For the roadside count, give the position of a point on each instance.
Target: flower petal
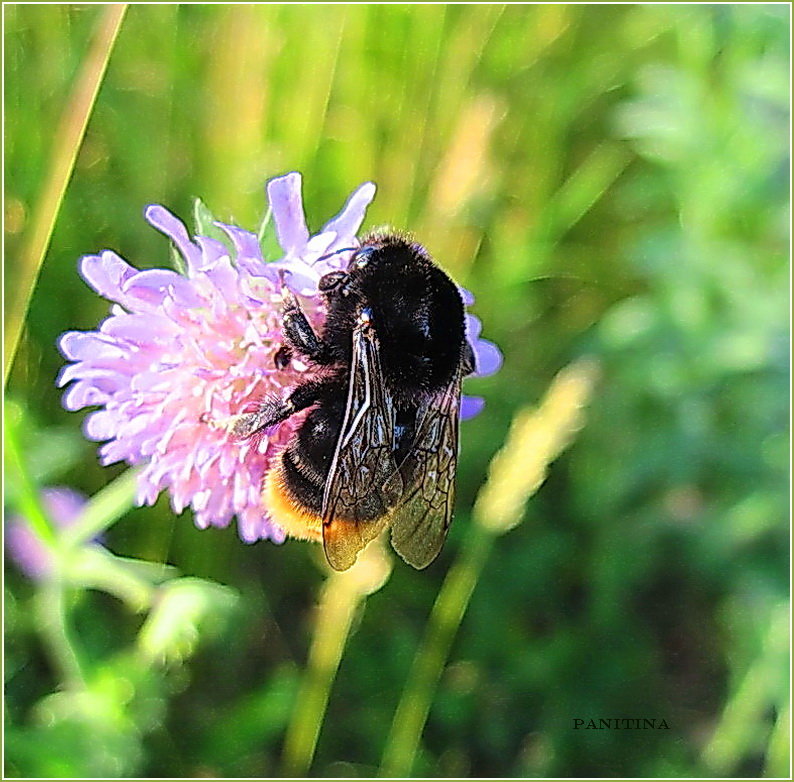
(298, 277)
(106, 378)
(246, 246)
(467, 296)
(348, 221)
(169, 224)
(284, 194)
(224, 277)
(101, 425)
(87, 346)
(138, 329)
(488, 357)
(212, 251)
(151, 286)
(473, 328)
(470, 406)
(106, 273)
(83, 394)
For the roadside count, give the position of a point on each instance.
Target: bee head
(381, 256)
(386, 248)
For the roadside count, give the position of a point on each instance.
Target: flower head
(180, 356)
(26, 549)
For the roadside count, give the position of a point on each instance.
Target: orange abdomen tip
(297, 521)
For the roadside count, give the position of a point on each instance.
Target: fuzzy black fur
(418, 316)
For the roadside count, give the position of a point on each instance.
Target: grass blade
(537, 437)
(30, 505)
(68, 139)
(342, 594)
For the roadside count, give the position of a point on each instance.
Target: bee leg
(283, 357)
(299, 334)
(272, 410)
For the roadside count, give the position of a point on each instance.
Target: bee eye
(332, 280)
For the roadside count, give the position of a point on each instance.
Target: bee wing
(419, 524)
(363, 482)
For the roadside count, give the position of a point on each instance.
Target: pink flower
(179, 357)
(31, 555)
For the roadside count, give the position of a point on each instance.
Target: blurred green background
(609, 180)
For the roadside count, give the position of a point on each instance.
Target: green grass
(609, 181)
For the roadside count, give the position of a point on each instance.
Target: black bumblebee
(380, 445)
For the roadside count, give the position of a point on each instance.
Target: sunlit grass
(342, 595)
(556, 159)
(66, 140)
(536, 438)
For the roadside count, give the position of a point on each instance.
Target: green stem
(340, 598)
(50, 608)
(742, 719)
(50, 601)
(29, 502)
(67, 139)
(448, 611)
(778, 750)
(536, 438)
(102, 510)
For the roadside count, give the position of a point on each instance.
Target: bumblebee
(379, 445)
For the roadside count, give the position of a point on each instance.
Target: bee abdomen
(305, 486)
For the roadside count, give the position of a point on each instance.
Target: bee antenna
(335, 252)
